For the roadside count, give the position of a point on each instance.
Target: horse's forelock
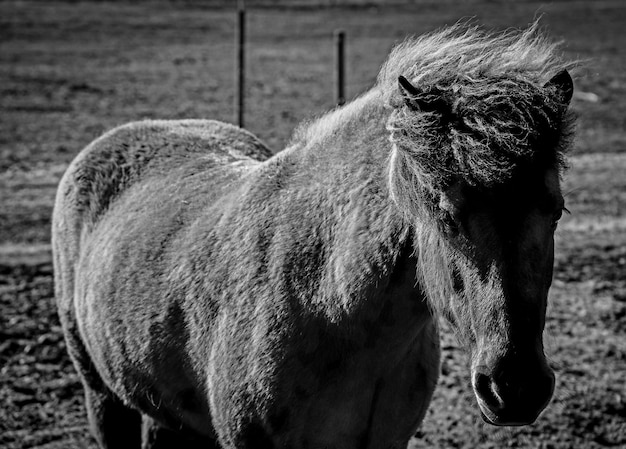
(464, 53)
(501, 114)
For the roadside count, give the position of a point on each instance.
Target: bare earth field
(70, 71)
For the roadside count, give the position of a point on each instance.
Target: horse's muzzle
(514, 398)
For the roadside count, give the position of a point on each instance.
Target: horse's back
(141, 154)
(191, 155)
(135, 151)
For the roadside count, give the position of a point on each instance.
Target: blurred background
(71, 70)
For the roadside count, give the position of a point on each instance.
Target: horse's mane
(500, 115)
(500, 118)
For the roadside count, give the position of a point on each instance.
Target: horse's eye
(557, 216)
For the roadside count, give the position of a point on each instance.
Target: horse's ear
(431, 101)
(407, 89)
(563, 85)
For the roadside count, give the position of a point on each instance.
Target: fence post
(340, 96)
(240, 41)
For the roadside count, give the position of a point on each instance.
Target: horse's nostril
(512, 399)
(486, 391)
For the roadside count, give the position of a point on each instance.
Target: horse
(215, 295)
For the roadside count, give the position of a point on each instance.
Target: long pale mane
(494, 123)
(498, 115)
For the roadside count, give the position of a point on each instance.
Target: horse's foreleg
(113, 424)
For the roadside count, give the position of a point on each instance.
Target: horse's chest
(362, 383)
(366, 400)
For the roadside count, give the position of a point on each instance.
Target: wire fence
(336, 3)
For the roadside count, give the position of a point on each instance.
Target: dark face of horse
(503, 248)
(488, 267)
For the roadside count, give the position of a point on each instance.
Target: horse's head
(500, 261)
(487, 260)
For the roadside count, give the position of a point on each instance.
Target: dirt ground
(69, 71)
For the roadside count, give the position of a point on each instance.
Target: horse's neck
(340, 179)
(347, 148)
(356, 130)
